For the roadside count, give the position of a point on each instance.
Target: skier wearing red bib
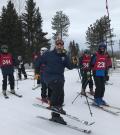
(7, 67)
(99, 63)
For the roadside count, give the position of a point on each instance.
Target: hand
(63, 52)
(37, 76)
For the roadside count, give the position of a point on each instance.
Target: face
(59, 46)
(102, 50)
(4, 49)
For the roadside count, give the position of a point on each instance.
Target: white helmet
(19, 57)
(43, 50)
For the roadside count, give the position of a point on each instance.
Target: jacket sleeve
(39, 61)
(93, 60)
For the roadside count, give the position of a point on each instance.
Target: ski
(34, 88)
(67, 115)
(46, 102)
(68, 125)
(104, 109)
(18, 95)
(107, 105)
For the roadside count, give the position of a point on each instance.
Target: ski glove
(37, 76)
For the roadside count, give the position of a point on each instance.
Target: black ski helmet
(86, 51)
(102, 45)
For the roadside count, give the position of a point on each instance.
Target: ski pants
(86, 81)
(100, 86)
(22, 71)
(45, 91)
(57, 94)
(10, 77)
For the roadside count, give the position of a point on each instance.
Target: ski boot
(4, 94)
(92, 92)
(12, 91)
(97, 101)
(58, 109)
(44, 100)
(103, 102)
(57, 118)
(83, 92)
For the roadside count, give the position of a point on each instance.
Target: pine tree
(10, 28)
(99, 31)
(32, 27)
(60, 23)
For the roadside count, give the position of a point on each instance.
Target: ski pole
(79, 93)
(76, 98)
(17, 79)
(79, 74)
(88, 105)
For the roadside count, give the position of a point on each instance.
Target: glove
(37, 76)
(63, 52)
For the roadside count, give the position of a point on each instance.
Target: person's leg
(84, 83)
(57, 96)
(4, 84)
(19, 73)
(91, 86)
(43, 90)
(98, 87)
(12, 82)
(24, 73)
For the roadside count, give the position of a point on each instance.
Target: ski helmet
(86, 51)
(43, 50)
(102, 45)
(4, 48)
(19, 57)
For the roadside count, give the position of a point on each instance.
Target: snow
(18, 115)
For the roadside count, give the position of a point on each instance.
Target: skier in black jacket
(55, 62)
(21, 68)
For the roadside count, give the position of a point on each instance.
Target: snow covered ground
(18, 115)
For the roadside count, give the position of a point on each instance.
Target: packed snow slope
(18, 115)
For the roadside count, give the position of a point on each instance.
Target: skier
(35, 57)
(7, 63)
(21, 68)
(99, 63)
(84, 65)
(55, 62)
(45, 90)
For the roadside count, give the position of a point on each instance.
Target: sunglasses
(59, 43)
(5, 48)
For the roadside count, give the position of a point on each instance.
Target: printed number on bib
(101, 64)
(6, 62)
(85, 65)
